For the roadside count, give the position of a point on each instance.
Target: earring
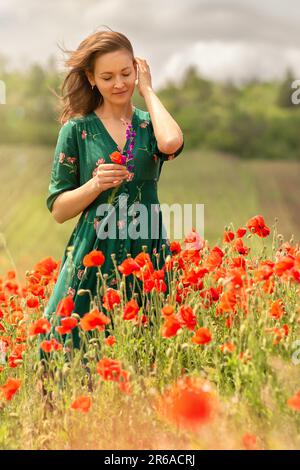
(93, 87)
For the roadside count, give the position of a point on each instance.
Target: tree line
(253, 120)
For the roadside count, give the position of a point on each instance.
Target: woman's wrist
(93, 185)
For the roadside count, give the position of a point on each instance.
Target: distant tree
(36, 80)
(197, 88)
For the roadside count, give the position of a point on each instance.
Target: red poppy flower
(250, 441)
(50, 345)
(192, 277)
(46, 266)
(94, 319)
(279, 333)
(239, 246)
(227, 348)
(209, 296)
(202, 336)
(110, 341)
(214, 259)
(170, 327)
(117, 157)
(123, 382)
(228, 236)
(264, 271)
(193, 241)
(285, 263)
(149, 285)
(187, 317)
(167, 310)
(32, 302)
(294, 401)
(142, 259)
(94, 258)
(189, 403)
(67, 324)
(189, 257)
(10, 388)
(257, 225)
(146, 272)
(41, 326)
(241, 232)
(129, 266)
(16, 356)
(83, 403)
(175, 247)
(109, 369)
(238, 262)
(277, 309)
(227, 301)
(131, 310)
(111, 298)
(65, 307)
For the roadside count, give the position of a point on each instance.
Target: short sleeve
(65, 169)
(154, 148)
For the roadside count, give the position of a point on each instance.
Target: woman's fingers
(115, 173)
(111, 166)
(108, 178)
(111, 179)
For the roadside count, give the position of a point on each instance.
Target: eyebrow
(128, 67)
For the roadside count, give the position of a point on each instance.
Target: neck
(115, 112)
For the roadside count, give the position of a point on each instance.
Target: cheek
(131, 82)
(104, 86)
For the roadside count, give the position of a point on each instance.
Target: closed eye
(127, 75)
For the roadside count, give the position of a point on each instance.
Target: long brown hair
(77, 96)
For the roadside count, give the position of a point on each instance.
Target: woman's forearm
(71, 203)
(167, 132)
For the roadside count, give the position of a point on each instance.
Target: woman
(100, 124)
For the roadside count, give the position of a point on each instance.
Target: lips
(122, 93)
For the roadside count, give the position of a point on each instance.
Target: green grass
(231, 189)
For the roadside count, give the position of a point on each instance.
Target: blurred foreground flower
(82, 403)
(189, 403)
(10, 388)
(294, 401)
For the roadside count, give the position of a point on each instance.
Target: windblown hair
(77, 96)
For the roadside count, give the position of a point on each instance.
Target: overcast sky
(237, 39)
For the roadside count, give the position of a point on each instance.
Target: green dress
(84, 143)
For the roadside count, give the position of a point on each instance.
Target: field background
(231, 189)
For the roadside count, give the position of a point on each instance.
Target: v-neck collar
(133, 119)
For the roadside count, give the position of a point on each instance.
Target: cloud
(230, 39)
(234, 60)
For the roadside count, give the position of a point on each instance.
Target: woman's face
(115, 72)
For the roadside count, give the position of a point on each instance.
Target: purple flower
(125, 159)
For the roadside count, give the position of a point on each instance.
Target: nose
(119, 83)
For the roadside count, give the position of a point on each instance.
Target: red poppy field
(212, 364)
